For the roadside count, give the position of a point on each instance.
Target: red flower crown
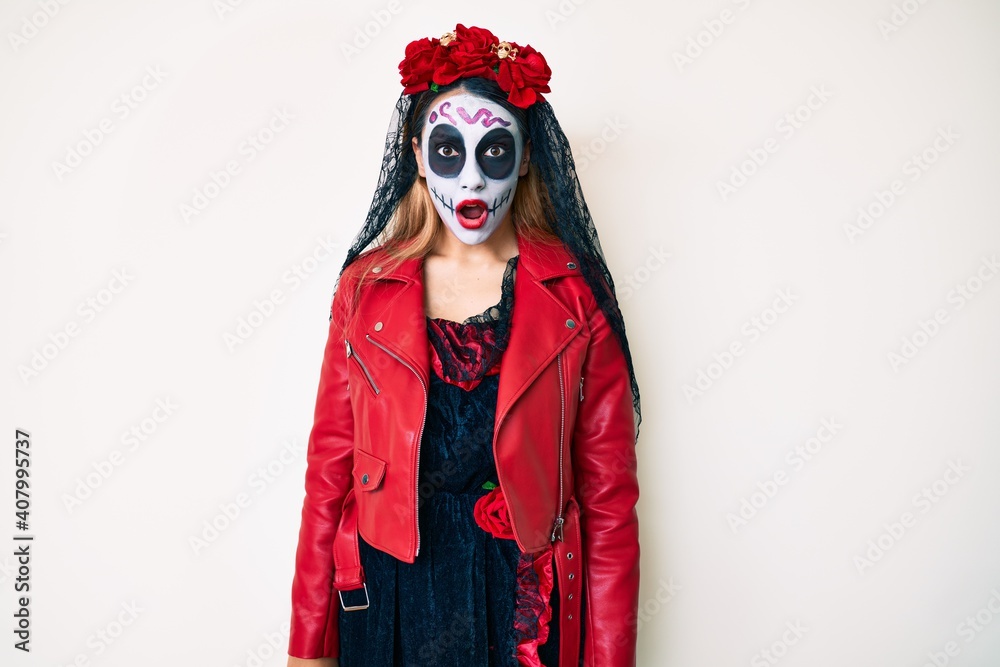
(521, 72)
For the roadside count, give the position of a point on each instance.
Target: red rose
(491, 514)
(418, 65)
(526, 77)
(468, 55)
(479, 38)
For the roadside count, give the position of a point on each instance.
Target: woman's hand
(318, 662)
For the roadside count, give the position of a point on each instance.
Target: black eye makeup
(447, 151)
(495, 153)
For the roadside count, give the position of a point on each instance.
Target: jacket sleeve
(314, 632)
(607, 490)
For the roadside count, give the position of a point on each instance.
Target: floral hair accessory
(520, 71)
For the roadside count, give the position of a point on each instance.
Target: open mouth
(471, 213)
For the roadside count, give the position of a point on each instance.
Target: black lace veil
(551, 155)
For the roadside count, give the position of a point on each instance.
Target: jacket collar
(541, 325)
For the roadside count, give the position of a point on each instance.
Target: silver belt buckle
(355, 607)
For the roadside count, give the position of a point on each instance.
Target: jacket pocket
(368, 470)
(363, 367)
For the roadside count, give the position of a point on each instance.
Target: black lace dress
(471, 598)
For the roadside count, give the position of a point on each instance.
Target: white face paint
(471, 152)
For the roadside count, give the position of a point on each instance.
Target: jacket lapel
(540, 326)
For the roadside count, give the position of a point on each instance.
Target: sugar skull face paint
(471, 153)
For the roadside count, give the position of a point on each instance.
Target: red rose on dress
(526, 77)
(491, 514)
(418, 65)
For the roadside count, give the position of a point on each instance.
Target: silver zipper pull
(581, 389)
(348, 343)
(558, 528)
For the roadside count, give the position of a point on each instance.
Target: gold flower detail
(447, 38)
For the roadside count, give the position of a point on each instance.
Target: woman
(471, 482)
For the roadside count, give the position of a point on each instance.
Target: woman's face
(471, 152)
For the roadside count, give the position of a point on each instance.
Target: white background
(654, 137)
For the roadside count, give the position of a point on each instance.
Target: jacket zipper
(558, 527)
(354, 355)
(420, 435)
(581, 388)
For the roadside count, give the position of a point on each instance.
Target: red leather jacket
(563, 444)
